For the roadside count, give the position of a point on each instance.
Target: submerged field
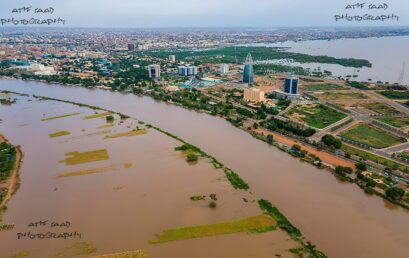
(371, 136)
(129, 178)
(315, 115)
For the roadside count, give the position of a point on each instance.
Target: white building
(172, 58)
(224, 69)
(154, 71)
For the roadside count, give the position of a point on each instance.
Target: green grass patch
(394, 94)
(318, 116)
(371, 136)
(282, 221)
(8, 155)
(104, 114)
(324, 86)
(381, 108)
(375, 158)
(58, 117)
(261, 223)
(236, 181)
(75, 158)
(341, 95)
(59, 134)
(398, 122)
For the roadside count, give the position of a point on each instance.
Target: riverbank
(13, 182)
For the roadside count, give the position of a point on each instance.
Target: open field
(370, 136)
(75, 158)
(324, 86)
(375, 158)
(318, 116)
(261, 223)
(398, 122)
(381, 108)
(340, 95)
(393, 94)
(57, 117)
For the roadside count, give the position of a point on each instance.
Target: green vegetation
(191, 157)
(295, 233)
(341, 95)
(236, 180)
(58, 117)
(395, 193)
(381, 108)
(59, 134)
(393, 94)
(330, 140)
(8, 155)
(229, 54)
(110, 118)
(375, 158)
(342, 171)
(7, 101)
(358, 85)
(371, 136)
(398, 122)
(324, 86)
(261, 223)
(198, 197)
(282, 221)
(75, 158)
(290, 127)
(333, 129)
(361, 166)
(318, 116)
(127, 134)
(104, 114)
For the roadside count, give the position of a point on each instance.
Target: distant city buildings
(154, 71)
(248, 76)
(224, 68)
(172, 58)
(254, 95)
(187, 70)
(131, 47)
(290, 88)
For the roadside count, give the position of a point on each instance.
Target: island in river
(90, 174)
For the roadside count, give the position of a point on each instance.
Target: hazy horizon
(203, 14)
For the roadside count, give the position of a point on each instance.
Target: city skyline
(212, 13)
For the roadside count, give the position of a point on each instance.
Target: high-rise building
(224, 68)
(187, 70)
(131, 47)
(291, 84)
(172, 58)
(154, 71)
(248, 75)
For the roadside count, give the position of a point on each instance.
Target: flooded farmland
(339, 218)
(109, 185)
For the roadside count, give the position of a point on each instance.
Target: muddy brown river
(339, 218)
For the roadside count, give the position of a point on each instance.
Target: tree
(340, 170)
(191, 157)
(270, 139)
(395, 193)
(330, 140)
(110, 118)
(361, 166)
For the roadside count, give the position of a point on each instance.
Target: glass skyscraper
(248, 75)
(291, 85)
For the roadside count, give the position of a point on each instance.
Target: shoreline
(13, 182)
(327, 158)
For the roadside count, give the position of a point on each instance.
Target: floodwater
(339, 218)
(387, 55)
(144, 188)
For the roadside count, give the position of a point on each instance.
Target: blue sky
(202, 13)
